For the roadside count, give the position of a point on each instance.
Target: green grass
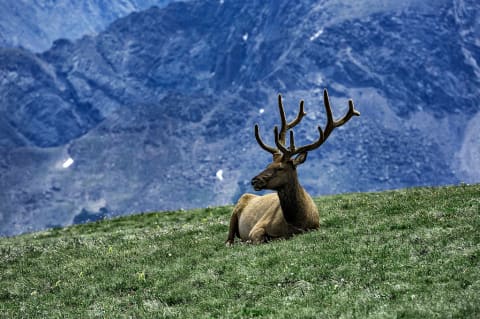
(411, 253)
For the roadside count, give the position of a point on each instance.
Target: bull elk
(290, 210)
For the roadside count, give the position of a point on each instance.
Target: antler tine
(262, 144)
(311, 146)
(300, 115)
(286, 126)
(283, 119)
(351, 112)
(331, 123)
(279, 144)
(292, 142)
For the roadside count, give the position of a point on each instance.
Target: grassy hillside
(401, 254)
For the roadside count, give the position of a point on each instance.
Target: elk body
(290, 209)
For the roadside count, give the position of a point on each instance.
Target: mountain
(36, 24)
(157, 111)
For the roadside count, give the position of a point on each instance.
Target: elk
(290, 209)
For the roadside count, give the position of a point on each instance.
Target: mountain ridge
(150, 109)
(35, 25)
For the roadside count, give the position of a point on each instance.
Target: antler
(331, 125)
(285, 152)
(284, 128)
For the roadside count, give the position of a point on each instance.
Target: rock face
(145, 114)
(36, 24)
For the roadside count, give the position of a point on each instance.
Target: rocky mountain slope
(157, 111)
(36, 24)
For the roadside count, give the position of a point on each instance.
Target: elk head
(282, 170)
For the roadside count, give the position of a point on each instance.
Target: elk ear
(302, 157)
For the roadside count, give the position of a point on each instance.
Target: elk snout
(259, 182)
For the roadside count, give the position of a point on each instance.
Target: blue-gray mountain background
(135, 108)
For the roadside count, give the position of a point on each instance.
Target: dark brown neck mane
(292, 197)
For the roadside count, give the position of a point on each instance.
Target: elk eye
(280, 168)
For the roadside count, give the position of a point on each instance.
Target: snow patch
(68, 163)
(316, 35)
(219, 175)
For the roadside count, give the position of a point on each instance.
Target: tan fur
(290, 210)
(258, 219)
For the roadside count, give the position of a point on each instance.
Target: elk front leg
(258, 234)
(233, 229)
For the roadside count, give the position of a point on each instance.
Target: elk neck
(292, 200)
